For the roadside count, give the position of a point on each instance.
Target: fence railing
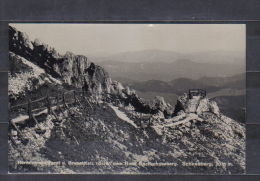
(62, 102)
(69, 97)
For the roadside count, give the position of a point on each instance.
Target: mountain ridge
(143, 71)
(155, 55)
(96, 127)
(180, 85)
(72, 70)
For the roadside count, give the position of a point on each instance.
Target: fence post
(64, 101)
(75, 100)
(84, 111)
(49, 105)
(29, 109)
(63, 98)
(141, 121)
(58, 102)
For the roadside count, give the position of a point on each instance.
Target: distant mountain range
(153, 55)
(163, 71)
(178, 86)
(228, 92)
(123, 127)
(169, 74)
(222, 81)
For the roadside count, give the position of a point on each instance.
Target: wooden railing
(47, 101)
(61, 103)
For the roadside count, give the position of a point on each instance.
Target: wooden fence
(59, 103)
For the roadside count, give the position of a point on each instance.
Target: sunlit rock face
(74, 70)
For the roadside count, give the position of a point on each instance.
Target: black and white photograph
(127, 98)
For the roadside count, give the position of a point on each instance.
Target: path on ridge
(123, 116)
(190, 116)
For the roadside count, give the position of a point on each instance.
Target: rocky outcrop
(128, 96)
(207, 105)
(159, 104)
(19, 43)
(197, 105)
(78, 71)
(71, 69)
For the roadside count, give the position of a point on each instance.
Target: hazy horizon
(107, 54)
(110, 39)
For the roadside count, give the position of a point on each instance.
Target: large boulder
(207, 105)
(181, 104)
(159, 104)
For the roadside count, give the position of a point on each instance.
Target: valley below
(70, 115)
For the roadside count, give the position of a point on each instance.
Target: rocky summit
(75, 70)
(72, 70)
(91, 124)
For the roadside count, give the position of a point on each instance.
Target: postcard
(127, 98)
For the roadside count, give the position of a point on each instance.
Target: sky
(108, 39)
